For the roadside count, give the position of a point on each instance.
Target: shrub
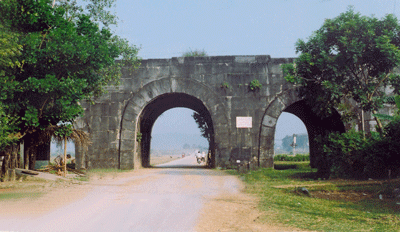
(349, 155)
(255, 85)
(194, 53)
(298, 157)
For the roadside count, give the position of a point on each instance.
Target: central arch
(158, 106)
(150, 101)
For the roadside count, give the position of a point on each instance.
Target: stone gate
(121, 121)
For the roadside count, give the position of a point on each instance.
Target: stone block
(267, 131)
(275, 108)
(96, 110)
(263, 59)
(130, 113)
(245, 59)
(95, 125)
(104, 125)
(115, 108)
(119, 97)
(220, 68)
(269, 121)
(258, 68)
(113, 136)
(114, 123)
(128, 124)
(127, 134)
(222, 59)
(127, 145)
(103, 98)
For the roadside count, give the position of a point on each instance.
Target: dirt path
(159, 199)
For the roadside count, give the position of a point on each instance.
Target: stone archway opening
(158, 106)
(288, 126)
(315, 125)
(175, 135)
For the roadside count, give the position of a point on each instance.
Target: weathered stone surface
(196, 83)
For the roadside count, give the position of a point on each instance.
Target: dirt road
(167, 198)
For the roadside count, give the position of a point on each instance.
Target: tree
(350, 58)
(66, 54)
(205, 129)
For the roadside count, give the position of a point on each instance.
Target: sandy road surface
(167, 198)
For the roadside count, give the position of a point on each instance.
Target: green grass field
(333, 205)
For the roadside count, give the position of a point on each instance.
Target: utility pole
(294, 144)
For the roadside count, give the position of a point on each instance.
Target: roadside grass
(29, 188)
(19, 195)
(282, 202)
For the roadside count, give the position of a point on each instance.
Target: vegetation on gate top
(194, 53)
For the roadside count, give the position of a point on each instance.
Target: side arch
(290, 103)
(131, 119)
(268, 124)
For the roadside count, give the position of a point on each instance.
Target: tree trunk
(4, 168)
(378, 122)
(65, 156)
(32, 157)
(1, 167)
(16, 155)
(27, 150)
(26, 156)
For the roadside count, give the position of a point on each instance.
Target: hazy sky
(165, 29)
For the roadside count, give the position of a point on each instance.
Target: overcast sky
(165, 29)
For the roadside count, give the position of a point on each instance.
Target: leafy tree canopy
(55, 54)
(349, 57)
(205, 129)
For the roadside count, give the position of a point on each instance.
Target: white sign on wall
(244, 122)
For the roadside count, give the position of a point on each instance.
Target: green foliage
(393, 100)
(284, 165)
(194, 53)
(139, 137)
(54, 56)
(225, 85)
(296, 158)
(205, 129)
(349, 57)
(64, 131)
(8, 131)
(342, 155)
(349, 155)
(255, 85)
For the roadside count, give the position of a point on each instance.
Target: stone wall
(215, 86)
